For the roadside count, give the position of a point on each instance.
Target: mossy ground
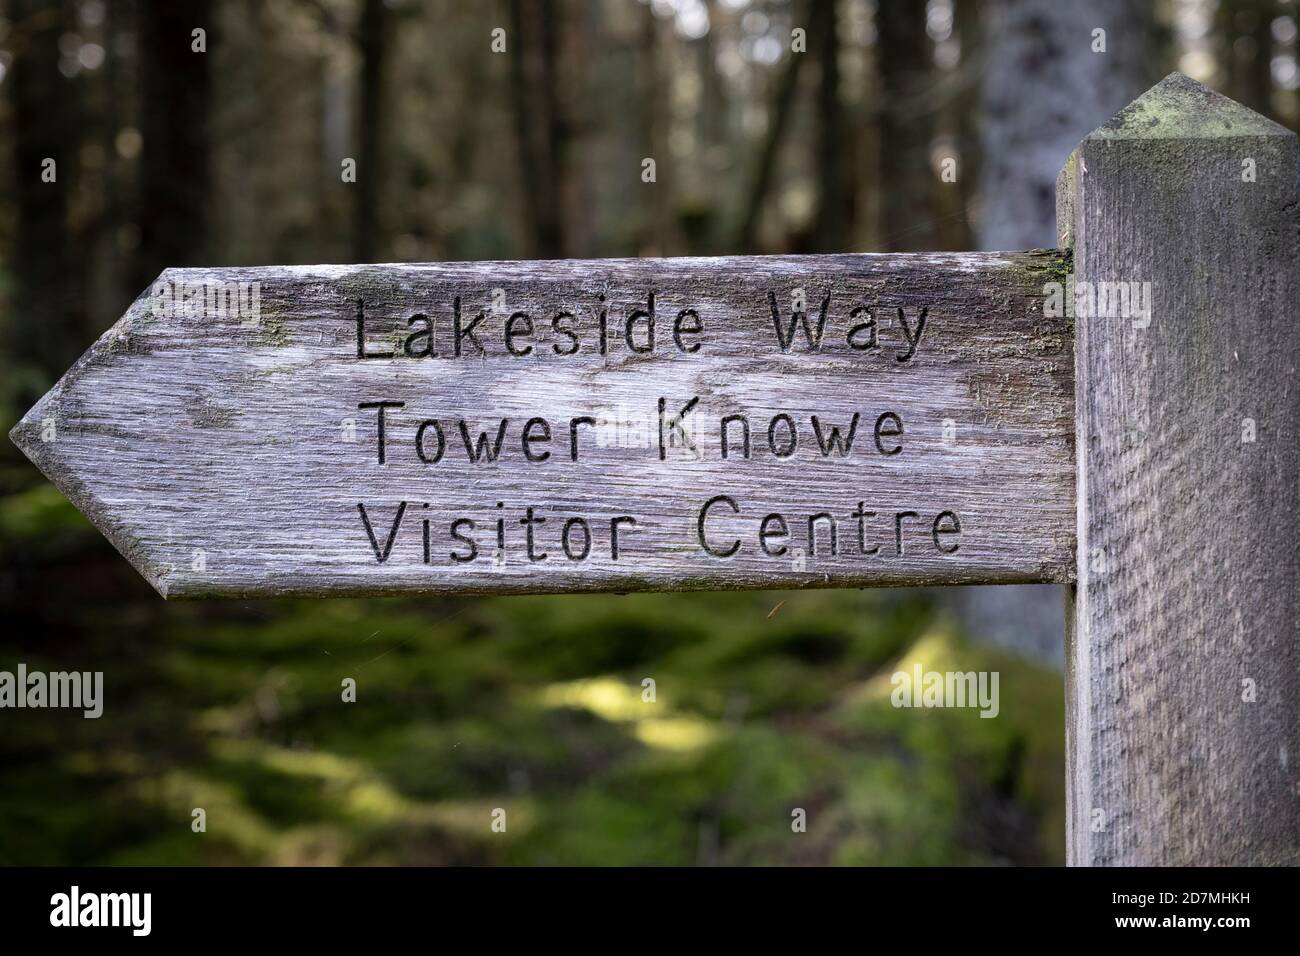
(765, 702)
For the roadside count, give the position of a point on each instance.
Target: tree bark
(829, 231)
(372, 41)
(1044, 90)
(44, 128)
(540, 128)
(903, 58)
(175, 160)
(778, 119)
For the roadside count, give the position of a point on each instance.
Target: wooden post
(1183, 651)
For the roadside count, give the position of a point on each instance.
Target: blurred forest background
(766, 702)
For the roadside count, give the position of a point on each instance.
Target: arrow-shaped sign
(564, 426)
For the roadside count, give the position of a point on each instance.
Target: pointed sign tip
(37, 436)
(16, 438)
(26, 434)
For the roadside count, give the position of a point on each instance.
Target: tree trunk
(829, 230)
(372, 40)
(41, 343)
(778, 119)
(539, 122)
(175, 161)
(1044, 90)
(903, 58)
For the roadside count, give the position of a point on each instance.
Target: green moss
(272, 331)
(1179, 108)
(532, 704)
(207, 415)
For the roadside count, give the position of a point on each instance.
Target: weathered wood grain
(1183, 660)
(225, 456)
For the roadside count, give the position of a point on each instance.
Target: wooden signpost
(1122, 413)
(563, 426)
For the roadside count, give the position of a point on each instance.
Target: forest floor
(764, 704)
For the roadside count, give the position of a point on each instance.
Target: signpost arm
(1183, 641)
